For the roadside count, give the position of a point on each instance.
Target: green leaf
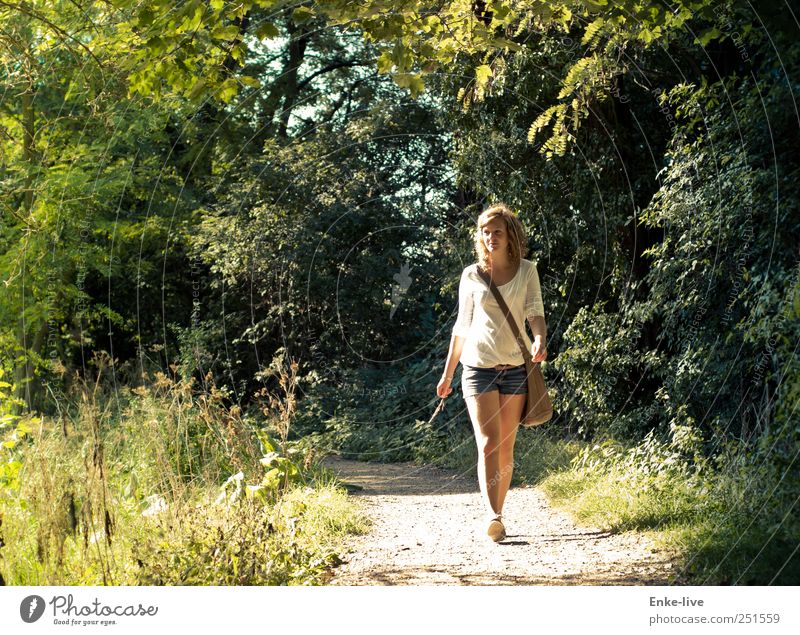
(385, 62)
(500, 12)
(266, 442)
(402, 56)
(593, 31)
(267, 30)
(237, 53)
(705, 38)
(412, 81)
(482, 75)
(302, 14)
(255, 492)
(250, 81)
(269, 458)
(501, 42)
(197, 90)
(594, 5)
(191, 23)
(157, 45)
(272, 479)
(146, 17)
(225, 32)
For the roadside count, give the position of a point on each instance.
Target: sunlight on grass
(162, 486)
(722, 525)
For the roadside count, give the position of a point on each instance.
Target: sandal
(496, 530)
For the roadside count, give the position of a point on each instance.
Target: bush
(163, 484)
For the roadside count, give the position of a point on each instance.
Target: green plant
(109, 496)
(13, 430)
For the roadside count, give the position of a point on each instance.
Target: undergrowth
(725, 521)
(164, 484)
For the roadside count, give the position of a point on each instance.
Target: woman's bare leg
(484, 411)
(510, 413)
(495, 420)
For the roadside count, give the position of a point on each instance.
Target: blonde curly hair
(517, 240)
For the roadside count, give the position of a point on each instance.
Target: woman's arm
(459, 336)
(539, 330)
(538, 326)
(453, 355)
(534, 309)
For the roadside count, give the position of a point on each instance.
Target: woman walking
(493, 378)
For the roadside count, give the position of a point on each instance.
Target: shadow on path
(428, 528)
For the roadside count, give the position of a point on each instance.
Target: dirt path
(428, 529)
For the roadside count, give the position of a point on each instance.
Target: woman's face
(495, 236)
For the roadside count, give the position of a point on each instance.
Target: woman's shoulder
(528, 269)
(470, 270)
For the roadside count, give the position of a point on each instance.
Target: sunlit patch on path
(427, 530)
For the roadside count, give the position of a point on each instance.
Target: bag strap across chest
(526, 354)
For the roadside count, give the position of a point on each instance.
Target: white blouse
(489, 339)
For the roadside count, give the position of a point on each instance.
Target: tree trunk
(298, 40)
(23, 372)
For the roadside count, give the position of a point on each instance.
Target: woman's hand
(539, 350)
(443, 387)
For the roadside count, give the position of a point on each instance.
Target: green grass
(295, 541)
(726, 525)
(131, 495)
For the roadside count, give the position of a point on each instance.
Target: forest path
(427, 529)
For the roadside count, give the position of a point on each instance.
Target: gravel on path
(428, 529)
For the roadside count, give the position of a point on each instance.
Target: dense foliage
(212, 188)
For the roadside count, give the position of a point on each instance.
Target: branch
(327, 69)
(347, 96)
(37, 16)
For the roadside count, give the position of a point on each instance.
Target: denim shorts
(475, 381)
